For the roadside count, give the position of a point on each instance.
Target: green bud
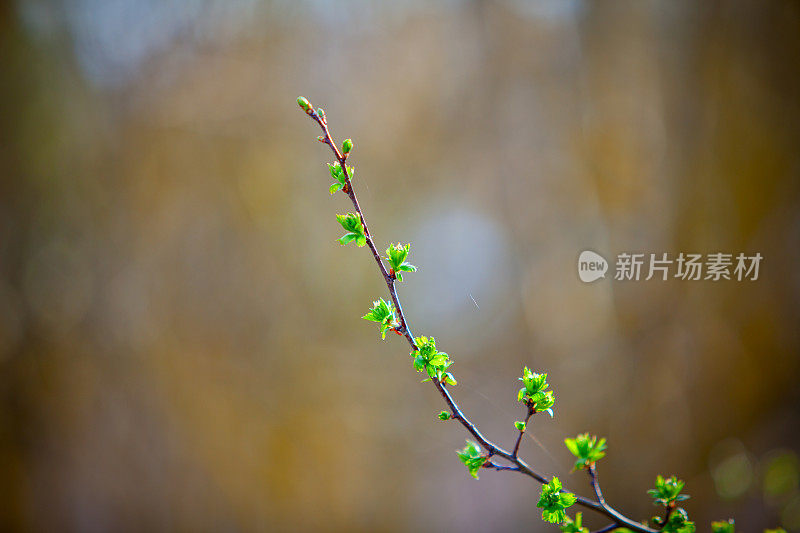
(347, 145)
(321, 113)
(304, 103)
(519, 425)
(444, 415)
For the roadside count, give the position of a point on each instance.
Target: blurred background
(180, 341)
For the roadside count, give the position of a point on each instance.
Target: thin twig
(609, 511)
(609, 527)
(667, 514)
(522, 431)
(492, 449)
(490, 464)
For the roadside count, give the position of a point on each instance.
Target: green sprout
(382, 312)
(679, 522)
(351, 223)
(347, 145)
(587, 449)
(428, 358)
(472, 457)
(304, 103)
(554, 501)
(574, 526)
(534, 394)
(444, 415)
(668, 491)
(396, 255)
(519, 425)
(338, 175)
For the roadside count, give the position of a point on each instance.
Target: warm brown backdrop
(180, 347)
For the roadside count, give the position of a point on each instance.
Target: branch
(610, 511)
(668, 509)
(610, 527)
(522, 431)
(491, 448)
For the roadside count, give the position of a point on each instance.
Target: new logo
(591, 266)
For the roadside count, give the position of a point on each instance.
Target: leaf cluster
(428, 358)
(396, 256)
(472, 457)
(534, 394)
(382, 312)
(553, 501)
(587, 449)
(668, 491)
(340, 180)
(679, 522)
(351, 223)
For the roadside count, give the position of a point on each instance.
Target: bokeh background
(180, 342)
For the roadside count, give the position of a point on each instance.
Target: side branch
(522, 431)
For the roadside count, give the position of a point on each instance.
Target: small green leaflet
(338, 176)
(587, 449)
(396, 256)
(429, 359)
(534, 393)
(667, 491)
(472, 457)
(382, 312)
(351, 223)
(553, 501)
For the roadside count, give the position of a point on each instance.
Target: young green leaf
(347, 145)
(553, 501)
(382, 312)
(587, 449)
(429, 359)
(396, 256)
(351, 223)
(519, 425)
(534, 394)
(667, 491)
(444, 415)
(679, 523)
(472, 457)
(726, 526)
(574, 526)
(338, 175)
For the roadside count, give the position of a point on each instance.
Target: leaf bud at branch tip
(303, 103)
